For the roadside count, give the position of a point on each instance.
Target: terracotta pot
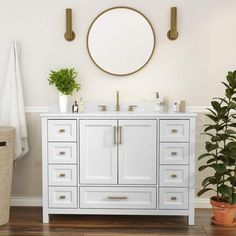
(223, 211)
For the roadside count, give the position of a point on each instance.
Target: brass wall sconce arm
(173, 33)
(69, 34)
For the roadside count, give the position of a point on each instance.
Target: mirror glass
(121, 41)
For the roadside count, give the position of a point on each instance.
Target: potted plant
(220, 155)
(64, 81)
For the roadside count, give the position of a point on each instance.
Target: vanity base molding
(118, 164)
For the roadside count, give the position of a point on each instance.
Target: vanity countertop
(117, 114)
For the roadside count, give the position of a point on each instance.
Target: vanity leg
(191, 218)
(45, 218)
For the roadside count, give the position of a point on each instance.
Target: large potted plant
(220, 155)
(65, 81)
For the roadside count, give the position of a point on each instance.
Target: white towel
(12, 103)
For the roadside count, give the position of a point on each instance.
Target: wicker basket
(7, 140)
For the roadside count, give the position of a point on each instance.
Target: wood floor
(25, 221)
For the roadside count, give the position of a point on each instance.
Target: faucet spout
(117, 101)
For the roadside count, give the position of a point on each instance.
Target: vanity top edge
(87, 114)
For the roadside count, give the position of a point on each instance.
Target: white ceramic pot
(63, 103)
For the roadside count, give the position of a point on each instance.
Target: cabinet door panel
(137, 151)
(98, 152)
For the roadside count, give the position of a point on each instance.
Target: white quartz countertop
(117, 114)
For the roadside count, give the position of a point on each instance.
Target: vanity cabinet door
(98, 152)
(137, 151)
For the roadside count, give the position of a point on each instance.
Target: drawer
(174, 153)
(62, 153)
(118, 197)
(62, 175)
(62, 197)
(174, 130)
(173, 198)
(173, 176)
(61, 130)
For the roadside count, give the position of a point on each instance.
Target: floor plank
(27, 221)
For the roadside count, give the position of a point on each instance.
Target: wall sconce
(172, 33)
(69, 34)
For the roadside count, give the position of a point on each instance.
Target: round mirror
(121, 41)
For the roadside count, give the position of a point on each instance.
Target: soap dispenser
(157, 104)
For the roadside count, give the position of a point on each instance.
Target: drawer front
(62, 130)
(174, 130)
(173, 198)
(62, 153)
(173, 176)
(118, 197)
(174, 153)
(62, 197)
(62, 175)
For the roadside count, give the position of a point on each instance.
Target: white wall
(189, 68)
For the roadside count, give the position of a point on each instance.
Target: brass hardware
(69, 34)
(115, 131)
(62, 153)
(131, 107)
(117, 101)
(120, 131)
(118, 197)
(103, 107)
(172, 33)
(173, 198)
(173, 176)
(174, 153)
(154, 44)
(174, 131)
(62, 130)
(62, 175)
(62, 197)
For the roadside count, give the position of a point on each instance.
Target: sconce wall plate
(172, 33)
(69, 34)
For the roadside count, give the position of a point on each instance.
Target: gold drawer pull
(62, 131)
(174, 153)
(174, 131)
(118, 197)
(115, 132)
(62, 175)
(62, 153)
(62, 197)
(173, 198)
(173, 176)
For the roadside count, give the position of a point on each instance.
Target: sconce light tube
(172, 33)
(69, 35)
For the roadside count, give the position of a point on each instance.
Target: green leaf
(201, 168)
(224, 190)
(204, 155)
(212, 117)
(211, 160)
(209, 180)
(204, 190)
(216, 105)
(210, 146)
(219, 168)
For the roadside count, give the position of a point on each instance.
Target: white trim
(37, 201)
(26, 201)
(191, 109)
(202, 203)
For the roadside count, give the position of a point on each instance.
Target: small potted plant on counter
(220, 155)
(65, 81)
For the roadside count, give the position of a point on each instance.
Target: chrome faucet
(117, 101)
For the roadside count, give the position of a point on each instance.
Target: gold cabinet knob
(174, 131)
(62, 153)
(174, 153)
(173, 176)
(173, 198)
(62, 197)
(62, 175)
(62, 131)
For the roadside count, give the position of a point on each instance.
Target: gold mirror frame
(129, 8)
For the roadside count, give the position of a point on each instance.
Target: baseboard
(37, 201)
(26, 201)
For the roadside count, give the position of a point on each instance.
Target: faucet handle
(103, 107)
(131, 107)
